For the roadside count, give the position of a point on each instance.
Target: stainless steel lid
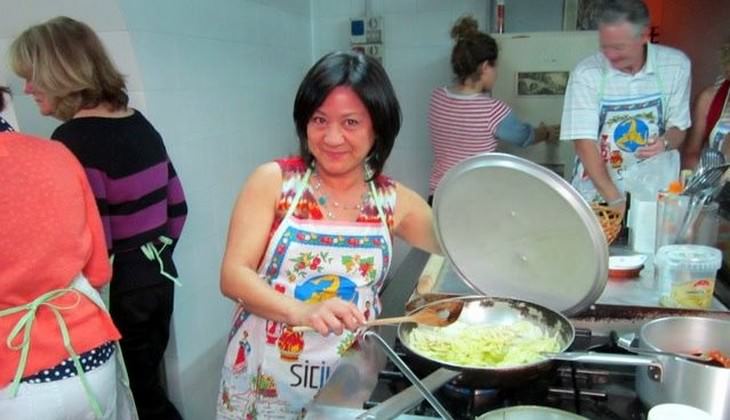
(512, 228)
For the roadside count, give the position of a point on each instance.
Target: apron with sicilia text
(271, 372)
(625, 124)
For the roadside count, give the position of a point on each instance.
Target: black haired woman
(310, 241)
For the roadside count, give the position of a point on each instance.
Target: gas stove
(593, 391)
(357, 390)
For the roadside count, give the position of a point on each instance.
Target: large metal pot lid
(512, 228)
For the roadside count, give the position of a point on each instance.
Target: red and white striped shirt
(461, 126)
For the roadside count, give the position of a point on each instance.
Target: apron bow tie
(25, 325)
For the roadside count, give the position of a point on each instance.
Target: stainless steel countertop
(641, 291)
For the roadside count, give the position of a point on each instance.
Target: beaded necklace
(329, 205)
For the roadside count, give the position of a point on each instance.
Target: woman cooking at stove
(310, 240)
(464, 119)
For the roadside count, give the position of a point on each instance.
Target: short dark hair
(369, 81)
(634, 12)
(4, 90)
(472, 48)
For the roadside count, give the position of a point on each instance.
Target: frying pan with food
(494, 311)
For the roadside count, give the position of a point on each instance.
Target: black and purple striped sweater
(138, 192)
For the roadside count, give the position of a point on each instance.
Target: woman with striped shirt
(464, 119)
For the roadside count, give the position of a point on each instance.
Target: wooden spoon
(436, 315)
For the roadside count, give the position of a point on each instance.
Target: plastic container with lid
(686, 275)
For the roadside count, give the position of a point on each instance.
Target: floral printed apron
(722, 127)
(625, 124)
(270, 371)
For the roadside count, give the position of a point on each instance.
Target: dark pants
(143, 317)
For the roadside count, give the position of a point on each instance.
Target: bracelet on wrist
(616, 201)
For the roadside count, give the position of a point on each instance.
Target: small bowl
(625, 266)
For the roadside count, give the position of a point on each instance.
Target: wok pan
(483, 310)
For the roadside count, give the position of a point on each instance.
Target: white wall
(217, 78)
(417, 52)
(530, 15)
(220, 78)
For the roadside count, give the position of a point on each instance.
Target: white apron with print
(270, 372)
(625, 124)
(722, 127)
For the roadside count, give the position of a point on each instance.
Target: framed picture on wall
(541, 83)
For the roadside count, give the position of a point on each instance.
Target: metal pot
(529, 412)
(699, 385)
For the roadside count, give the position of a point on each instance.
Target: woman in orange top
(57, 342)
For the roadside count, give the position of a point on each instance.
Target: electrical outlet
(374, 30)
(374, 50)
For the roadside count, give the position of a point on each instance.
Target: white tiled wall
(220, 78)
(417, 53)
(217, 79)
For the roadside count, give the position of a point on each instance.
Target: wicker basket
(610, 220)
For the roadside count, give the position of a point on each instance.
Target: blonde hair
(65, 59)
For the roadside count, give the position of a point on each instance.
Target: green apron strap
(25, 324)
(153, 254)
(81, 284)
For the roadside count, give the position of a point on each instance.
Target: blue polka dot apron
(125, 407)
(269, 371)
(626, 123)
